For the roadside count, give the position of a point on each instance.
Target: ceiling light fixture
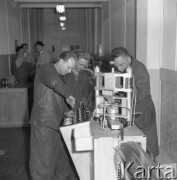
(60, 8)
(63, 28)
(62, 18)
(62, 24)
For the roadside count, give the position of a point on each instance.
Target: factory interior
(104, 140)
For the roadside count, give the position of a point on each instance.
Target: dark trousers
(147, 124)
(48, 157)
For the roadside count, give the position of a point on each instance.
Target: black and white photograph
(88, 89)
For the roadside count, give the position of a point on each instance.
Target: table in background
(15, 105)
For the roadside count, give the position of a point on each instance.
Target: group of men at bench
(59, 87)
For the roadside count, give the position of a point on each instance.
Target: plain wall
(9, 32)
(118, 26)
(169, 35)
(74, 34)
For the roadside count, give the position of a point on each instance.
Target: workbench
(95, 159)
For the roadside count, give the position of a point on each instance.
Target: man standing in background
(44, 56)
(23, 67)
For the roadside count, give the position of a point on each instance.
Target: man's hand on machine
(69, 114)
(71, 101)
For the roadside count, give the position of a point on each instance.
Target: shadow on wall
(4, 65)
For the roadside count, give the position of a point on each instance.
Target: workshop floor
(14, 154)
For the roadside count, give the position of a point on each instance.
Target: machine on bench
(114, 99)
(97, 140)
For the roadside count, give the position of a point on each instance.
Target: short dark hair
(82, 54)
(24, 44)
(18, 48)
(40, 43)
(66, 55)
(116, 52)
